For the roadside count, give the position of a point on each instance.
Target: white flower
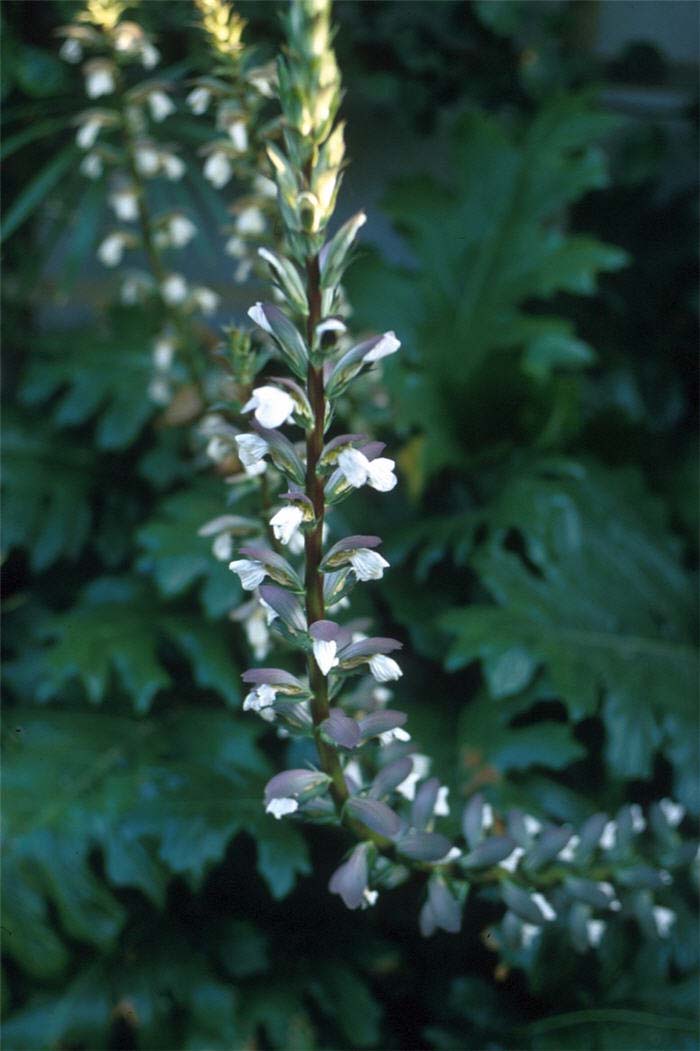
(262, 696)
(217, 169)
(380, 694)
(174, 289)
(236, 247)
(222, 547)
(532, 825)
(279, 807)
(397, 734)
(264, 186)
(567, 852)
(238, 133)
(595, 929)
(442, 807)
(163, 351)
(256, 469)
(147, 159)
(664, 919)
(92, 166)
(367, 564)
(324, 654)
(251, 573)
(251, 449)
(87, 133)
(133, 287)
(421, 769)
(71, 51)
(271, 405)
(608, 836)
(383, 668)
(370, 897)
(111, 250)
(510, 863)
(150, 55)
(218, 448)
(607, 888)
(354, 771)
(174, 167)
(250, 221)
(160, 105)
(297, 543)
(198, 100)
(125, 204)
(206, 299)
(181, 230)
(388, 344)
(486, 816)
(528, 934)
(286, 521)
(159, 390)
(546, 909)
(673, 812)
(637, 817)
(359, 471)
(99, 81)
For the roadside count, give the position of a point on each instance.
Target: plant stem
(313, 541)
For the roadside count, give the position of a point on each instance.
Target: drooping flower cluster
(366, 773)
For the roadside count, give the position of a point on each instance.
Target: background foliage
(541, 275)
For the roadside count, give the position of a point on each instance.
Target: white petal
(388, 344)
(238, 134)
(256, 313)
(609, 836)
(279, 807)
(383, 668)
(532, 825)
(380, 474)
(222, 547)
(664, 919)
(87, 134)
(217, 169)
(367, 564)
(324, 653)
(251, 573)
(160, 105)
(486, 816)
(354, 466)
(673, 812)
(286, 522)
(198, 100)
(442, 807)
(595, 930)
(250, 221)
(251, 448)
(510, 863)
(272, 406)
(546, 909)
(528, 934)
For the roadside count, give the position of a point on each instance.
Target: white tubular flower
(421, 769)
(567, 853)
(159, 390)
(92, 166)
(673, 812)
(367, 564)
(174, 167)
(181, 230)
(595, 929)
(272, 406)
(99, 80)
(71, 51)
(251, 573)
(147, 159)
(279, 807)
(387, 345)
(397, 734)
(608, 836)
(664, 919)
(547, 911)
(528, 934)
(198, 100)
(285, 523)
(324, 654)
(442, 807)
(510, 863)
(384, 668)
(217, 169)
(111, 250)
(205, 299)
(359, 471)
(250, 222)
(87, 133)
(174, 289)
(251, 449)
(150, 55)
(222, 548)
(163, 352)
(125, 204)
(238, 133)
(160, 105)
(262, 696)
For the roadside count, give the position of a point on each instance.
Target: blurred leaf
(29, 199)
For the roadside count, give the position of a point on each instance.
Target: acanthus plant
(366, 775)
